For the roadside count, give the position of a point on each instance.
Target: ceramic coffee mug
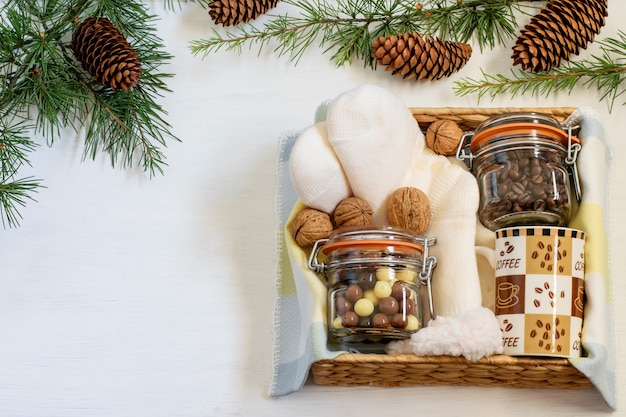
(540, 290)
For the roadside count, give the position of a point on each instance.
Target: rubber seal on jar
(486, 136)
(404, 247)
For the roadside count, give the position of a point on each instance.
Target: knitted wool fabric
(316, 173)
(373, 134)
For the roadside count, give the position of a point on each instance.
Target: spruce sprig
(604, 72)
(346, 28)
(45, 90)
(15, 147)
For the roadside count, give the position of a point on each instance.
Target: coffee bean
(539, 205)
(537, 303)
(539, 324)
(517, 188)
(508, 327)
(541, 245)
(533, 333)
(538, 290)
(534, 255)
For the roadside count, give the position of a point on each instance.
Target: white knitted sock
(373, 134)
(453, 198)
(316, 173)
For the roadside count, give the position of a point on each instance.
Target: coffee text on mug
(509, 263)
(510, 341)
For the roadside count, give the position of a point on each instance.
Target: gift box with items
(386, 273)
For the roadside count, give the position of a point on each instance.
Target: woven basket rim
(498, 360)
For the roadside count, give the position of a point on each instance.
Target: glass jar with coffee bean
(523, 163)
(373, 277)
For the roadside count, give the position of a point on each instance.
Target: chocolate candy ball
(382, 289)
(406, 275)
(385, 274)
(365, 321)
(363, 307)
(367, 280)
(380, 320)
(389, 305)
(350, 319)
(342, 304)
(354, 292)
(399, 321)
(399, 291)
(409, 307)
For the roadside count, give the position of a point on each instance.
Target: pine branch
(605, 73)
(347, 28)
(45, 85)
(13, 194)
(15, 147)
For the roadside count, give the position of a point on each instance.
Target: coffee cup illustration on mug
(507, 295)
(540, 290)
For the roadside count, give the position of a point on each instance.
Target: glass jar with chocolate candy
(373, 277)
(523, 163)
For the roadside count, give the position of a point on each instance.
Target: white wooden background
(123, 296)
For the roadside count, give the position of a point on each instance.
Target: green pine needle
(605, 73)
(46, 86)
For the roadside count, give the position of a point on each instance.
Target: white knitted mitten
(316, 173)
(373, 134)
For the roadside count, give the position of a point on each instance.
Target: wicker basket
(408, 370)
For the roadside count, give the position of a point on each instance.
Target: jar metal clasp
(426, 275)
(570, 160)
(313, 264)
(463, 152)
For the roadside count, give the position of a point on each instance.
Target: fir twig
(346, 28)
(15, 147)
(44, 84)
(604, 72)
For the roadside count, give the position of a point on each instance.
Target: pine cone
(413, 56)
(561, 29)
(234, 12)
(106, 54)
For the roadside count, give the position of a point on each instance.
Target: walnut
(409, 207)
(444, 136)
(310, 225)
(352, 211)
